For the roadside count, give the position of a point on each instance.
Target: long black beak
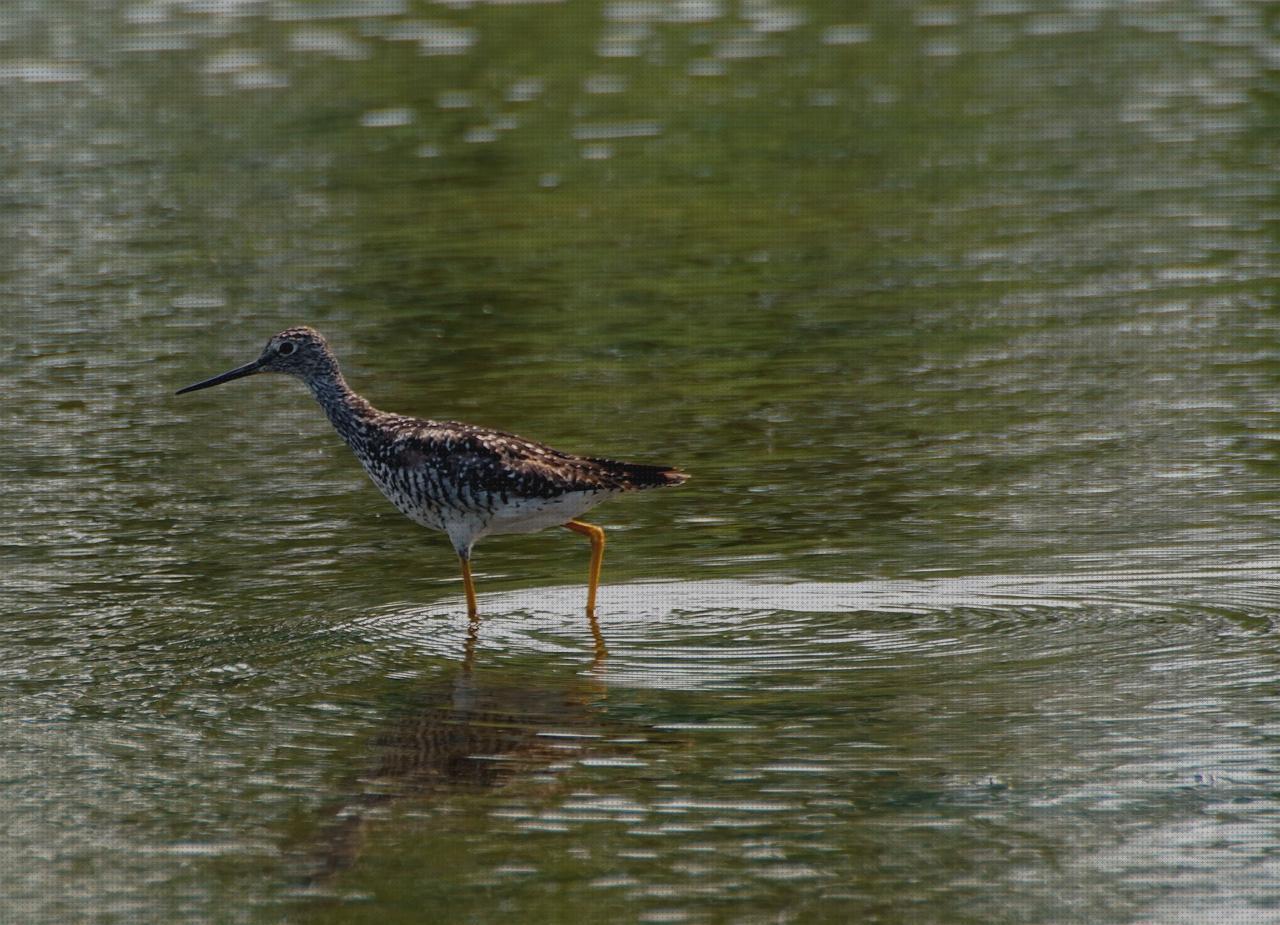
(247, 369)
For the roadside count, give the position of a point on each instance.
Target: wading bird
(466, 481)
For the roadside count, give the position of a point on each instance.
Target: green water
(962, 317)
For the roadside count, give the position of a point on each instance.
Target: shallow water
(960, 315)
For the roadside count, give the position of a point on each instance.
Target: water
(960, 315)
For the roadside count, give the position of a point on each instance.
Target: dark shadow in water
(467, 731)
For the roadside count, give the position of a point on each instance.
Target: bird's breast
(427, 495)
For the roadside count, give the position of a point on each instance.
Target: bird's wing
(492, 461)
(505, 464)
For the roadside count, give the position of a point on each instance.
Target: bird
(466, 481)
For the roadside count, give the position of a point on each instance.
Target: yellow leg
(469, 585)
(469, 650)
(597, 557)
(602, 651)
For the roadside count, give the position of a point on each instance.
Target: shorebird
(466, 481)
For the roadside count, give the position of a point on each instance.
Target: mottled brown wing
(505, 464)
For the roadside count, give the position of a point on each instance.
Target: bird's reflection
(471, 729)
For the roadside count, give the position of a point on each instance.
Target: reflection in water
(466, 731)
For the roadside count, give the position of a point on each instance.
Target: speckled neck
(349, 414)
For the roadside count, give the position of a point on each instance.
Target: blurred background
(961, 315)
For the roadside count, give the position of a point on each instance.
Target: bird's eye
(286, 348)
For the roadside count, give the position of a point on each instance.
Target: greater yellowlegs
(466, 481)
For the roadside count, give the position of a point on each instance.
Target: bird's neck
(349, 414)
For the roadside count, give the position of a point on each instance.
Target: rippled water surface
(961, 315)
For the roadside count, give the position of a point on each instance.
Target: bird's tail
(635, 476)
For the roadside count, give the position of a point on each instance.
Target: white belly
(467, 519)
(528, 515)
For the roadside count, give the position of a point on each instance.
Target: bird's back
(437, 470)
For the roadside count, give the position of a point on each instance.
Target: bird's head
(300, 352)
